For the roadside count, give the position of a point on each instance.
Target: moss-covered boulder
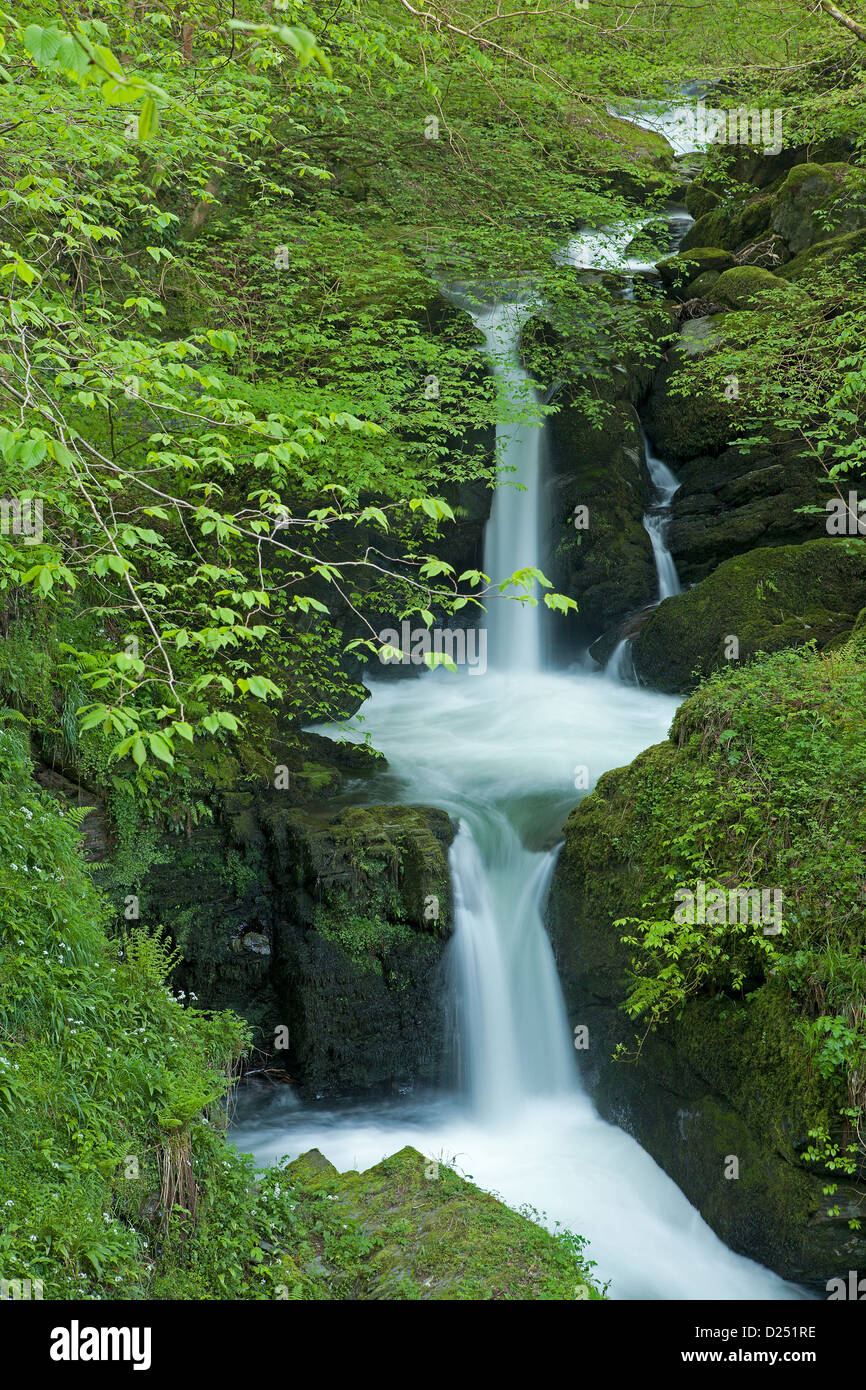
(701, 289)
(818, 201)
(413, 1228)
(636, 160)
(722, 1073)
(743, 286)
(830, 252)
(811, 203)
(324, 925)
(679, 270)
(731, 225)
(761, 601)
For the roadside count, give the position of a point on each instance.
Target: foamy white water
(606, 248)
(499, 753)
(678, 124)
(555, 1155)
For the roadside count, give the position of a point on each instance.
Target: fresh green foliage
(766, 790)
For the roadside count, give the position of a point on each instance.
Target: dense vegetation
(234, 378)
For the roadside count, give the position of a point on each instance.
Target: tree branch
(854, 27)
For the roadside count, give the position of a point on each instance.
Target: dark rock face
(737, 502)
(766, 599)
(718, 1081)
(607, 567)
(95, 830)
(730, 500)
(324, 926)
(685, 426)
(597, 486)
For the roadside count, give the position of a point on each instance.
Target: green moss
(678, 270)
(743, 286)
(423, 1232)
(759, 784)
(731, 225)
(766, 599)
(818, 201)
(831, 251)
(701, 287)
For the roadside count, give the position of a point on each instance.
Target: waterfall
(504, 756)
(512, 537)
(512, 1019)
(513, 1028)
(657, 520)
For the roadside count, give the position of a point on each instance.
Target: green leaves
(84, 62)
(433, 507)
(302, 43)
(148, 119)
(560, 603)
(42, 44)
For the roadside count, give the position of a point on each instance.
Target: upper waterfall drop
(512, 537)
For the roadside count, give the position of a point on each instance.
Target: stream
(499, 752)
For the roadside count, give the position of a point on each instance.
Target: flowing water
(502, 753)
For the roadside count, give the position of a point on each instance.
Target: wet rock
(95, 831)
(324, 925)
(726, 1074)
(765, 600)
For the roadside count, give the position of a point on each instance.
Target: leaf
(148, 120)
(160, 747)
(41, 44)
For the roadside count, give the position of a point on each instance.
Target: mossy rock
(330, 921)
(701, 286)
(827, 253)
(678, 270)
(742, 287)
(731, 226)
(766, 599)
(818, 201)
(415, 1229)
(683, 427)
(728, 1072)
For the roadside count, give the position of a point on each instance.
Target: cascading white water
(512, 1017)
(500, 754)
(656, 522)
(620, 666)
(512, 539)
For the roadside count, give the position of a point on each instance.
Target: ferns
(150, 955)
